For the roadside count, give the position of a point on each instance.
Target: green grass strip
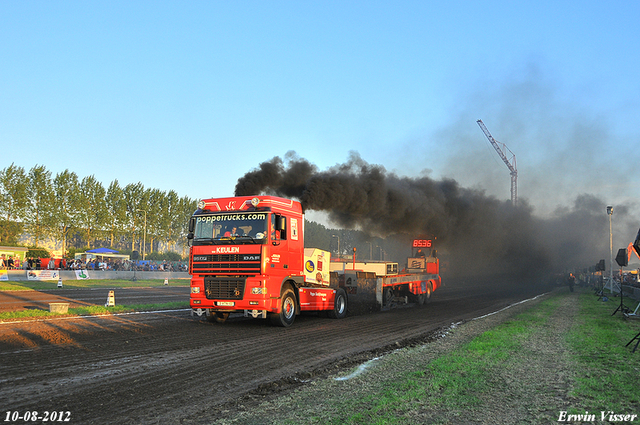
(40, 285)
(608, 370)
(511, 366)
(93, 310)
(452, 382)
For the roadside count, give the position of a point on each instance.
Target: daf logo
(199, 258)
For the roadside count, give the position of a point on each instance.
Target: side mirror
(434, 253)
(190, 235)
(281, 222)
(192, 226)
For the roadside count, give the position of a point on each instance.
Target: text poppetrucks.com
(604, 415)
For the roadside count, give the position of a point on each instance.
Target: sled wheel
(427, 295)
(388, 296)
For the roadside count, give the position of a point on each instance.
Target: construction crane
(502, 150)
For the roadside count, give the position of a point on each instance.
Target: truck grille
(227, 264)
(224, 288)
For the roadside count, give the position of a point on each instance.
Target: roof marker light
(255, 202)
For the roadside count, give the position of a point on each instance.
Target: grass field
(560, 360)
(92, 310)
(563, 356)
(39, 285)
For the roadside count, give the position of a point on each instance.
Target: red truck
(247, 256)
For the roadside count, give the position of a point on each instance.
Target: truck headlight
(195, 289)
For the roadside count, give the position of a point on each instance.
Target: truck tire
(287, 310)
(339, 305)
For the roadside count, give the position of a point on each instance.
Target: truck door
(279, 245)
(287, 245)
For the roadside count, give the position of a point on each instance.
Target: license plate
(225, 303)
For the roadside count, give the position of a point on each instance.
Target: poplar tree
(65, 192)
(169, 214)
(134, 200)
(116, 212)
(13, 201)
(92, 214)
(155, 204)
(40, 211)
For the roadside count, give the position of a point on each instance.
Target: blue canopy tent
(102, 253)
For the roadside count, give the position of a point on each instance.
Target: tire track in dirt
(166, 367)
(23, 300)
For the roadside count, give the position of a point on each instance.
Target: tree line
(80, 213)
(36, 206)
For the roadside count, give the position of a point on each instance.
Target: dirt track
(170, 368)
(23, 300)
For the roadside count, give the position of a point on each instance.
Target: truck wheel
(339, 305)
(287, 310)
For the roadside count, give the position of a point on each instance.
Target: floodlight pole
(610, 279)
(610, 212)
(144, 237)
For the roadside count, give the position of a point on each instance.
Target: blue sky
(189, 96)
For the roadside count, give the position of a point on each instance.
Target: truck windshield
(225, 227)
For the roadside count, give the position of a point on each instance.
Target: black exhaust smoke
(358, 194)
(479, 234)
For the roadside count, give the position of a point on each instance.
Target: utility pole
(610, 213)
(502, 150)
(144, 237)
